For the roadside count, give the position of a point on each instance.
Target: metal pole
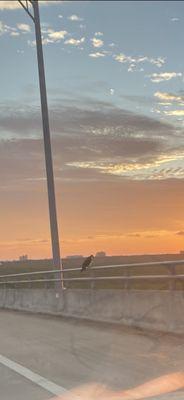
(47, 145)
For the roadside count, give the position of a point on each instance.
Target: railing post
(172, 272)
(92, 275)
(126, 282)
(45, 283)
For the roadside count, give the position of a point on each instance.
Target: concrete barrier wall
(155, 310)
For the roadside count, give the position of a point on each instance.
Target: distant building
(75, 256)
(23, 258)
(181, 251)
(100, 254)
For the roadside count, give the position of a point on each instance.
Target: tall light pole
(46, 134)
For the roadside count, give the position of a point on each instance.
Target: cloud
(10, 5)
(51, 36)
(97, 141)
(164, 76)
(134, 61)
(57, 35)
(6, 29)
(91, 117)
(164, 96)
(75, 42)
(23, 159)
(14, 4)
(25, 28)
(75, 17)
(82, 26)
(97, 55)
(122, 58)
(151, 236)
(175, 19)
(32, 43)
(168, 100)
(97, 42)
(98, 34)
(134, 235)
(159, 168)
(132, 67)
(177, 113)
(159, 62)
(14, 34)
(180, 233)
(1, 28)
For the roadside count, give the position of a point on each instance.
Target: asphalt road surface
(41, 355)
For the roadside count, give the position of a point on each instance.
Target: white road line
(31, 376)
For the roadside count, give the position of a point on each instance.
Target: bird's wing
(86, 262)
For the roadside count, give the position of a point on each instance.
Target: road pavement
(67, 353)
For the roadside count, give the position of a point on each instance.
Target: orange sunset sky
(120, 218)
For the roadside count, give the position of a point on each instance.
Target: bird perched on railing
(87, 263)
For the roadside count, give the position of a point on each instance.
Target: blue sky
(151, 30)
(115, 81)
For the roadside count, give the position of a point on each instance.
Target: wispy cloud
(160, 168)
(175, 19)
(57, 35)
(14, 34)
(14, 5)
(159, 62)
(9, 5)
(51, 36)
(100, 142)
(133, 61)
(75, 42)
(75, 17)
(176, 113)
(6, 29)
(164, 96)
(164, 76)
(98, 34)
(97, 42)
(122, 58)
(25, 28)
(97, 55)
(168, 102)
(134, 235)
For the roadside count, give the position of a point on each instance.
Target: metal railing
(42, 277)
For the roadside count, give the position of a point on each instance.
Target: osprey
(87, 263)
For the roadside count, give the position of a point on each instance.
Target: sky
(115, 82)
